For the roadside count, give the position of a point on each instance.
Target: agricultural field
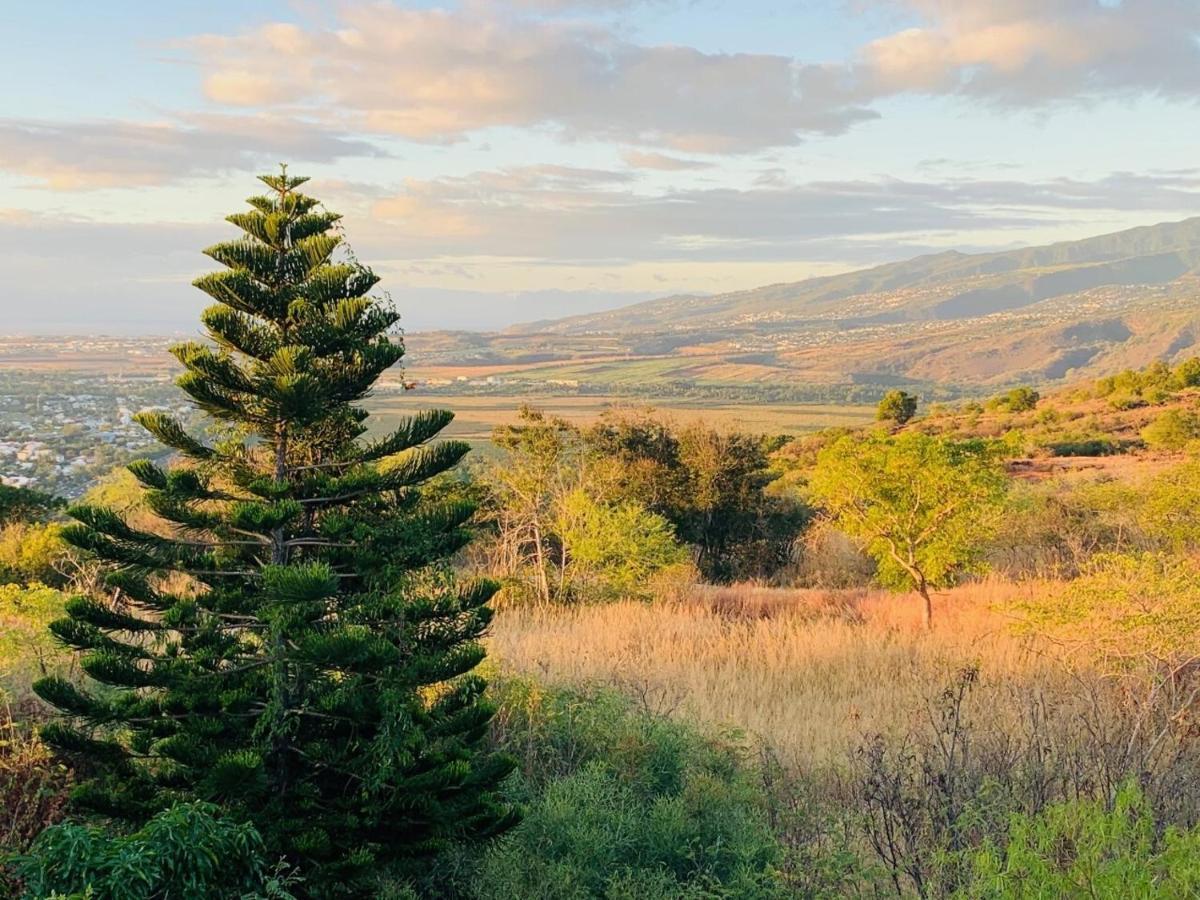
(476, 416)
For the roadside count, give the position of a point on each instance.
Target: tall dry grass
(807, 672)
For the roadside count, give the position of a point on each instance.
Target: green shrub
(1168, 508)
(1187, 373)
(1125, 399)
(1083, 445)
(1126, 609)
(1048, 416)
(1172, 430)
(620, 803)
(1083, 849)
(1019, 399)
(614, 551)
(185, 851)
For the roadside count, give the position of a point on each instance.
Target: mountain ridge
(1039, 314)
(1017, 277)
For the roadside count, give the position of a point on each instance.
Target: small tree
(560, 529)
(921, 506)
(615, 551)
(286, 642)
(540, 466)
(896, 406)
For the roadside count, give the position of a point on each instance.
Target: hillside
(943, 286)
(1042, 314)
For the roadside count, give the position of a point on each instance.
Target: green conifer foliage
(289, 645)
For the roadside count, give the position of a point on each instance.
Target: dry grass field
(807, 672)
(476, 416)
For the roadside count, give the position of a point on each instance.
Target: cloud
(515, 214)
(108, 153)
(441, 74)
(1028, 52)
(662, 162)
(438, 75)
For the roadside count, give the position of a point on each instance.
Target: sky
(500, 161)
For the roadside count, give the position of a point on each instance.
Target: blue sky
(505, 160)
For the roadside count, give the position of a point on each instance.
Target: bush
(184, 851)
(615, 551)
(1083, 849)
(1169, 508)
(33, 552)
(1187, 373)
(1172, 430)
(1126, 609)
(1019, 399)
(27, 649)
(33, 792)
(620, 803)
(1083, 445)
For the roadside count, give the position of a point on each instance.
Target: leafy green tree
(615, 550)
(560, 529)
(896, 406)
(713, 486)
(921, 506)
(288, 644)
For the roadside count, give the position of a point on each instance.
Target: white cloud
(1027, 52)
(436, 75)
(86, 155)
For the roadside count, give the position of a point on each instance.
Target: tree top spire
(283, 183)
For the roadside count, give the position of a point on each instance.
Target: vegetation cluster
(295, 658)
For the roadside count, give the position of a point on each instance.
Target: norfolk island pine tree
(291, 646)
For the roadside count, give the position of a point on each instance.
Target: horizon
(58, 330)
(517, 160)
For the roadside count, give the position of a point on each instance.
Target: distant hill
(942, 286)
(1040, 314)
